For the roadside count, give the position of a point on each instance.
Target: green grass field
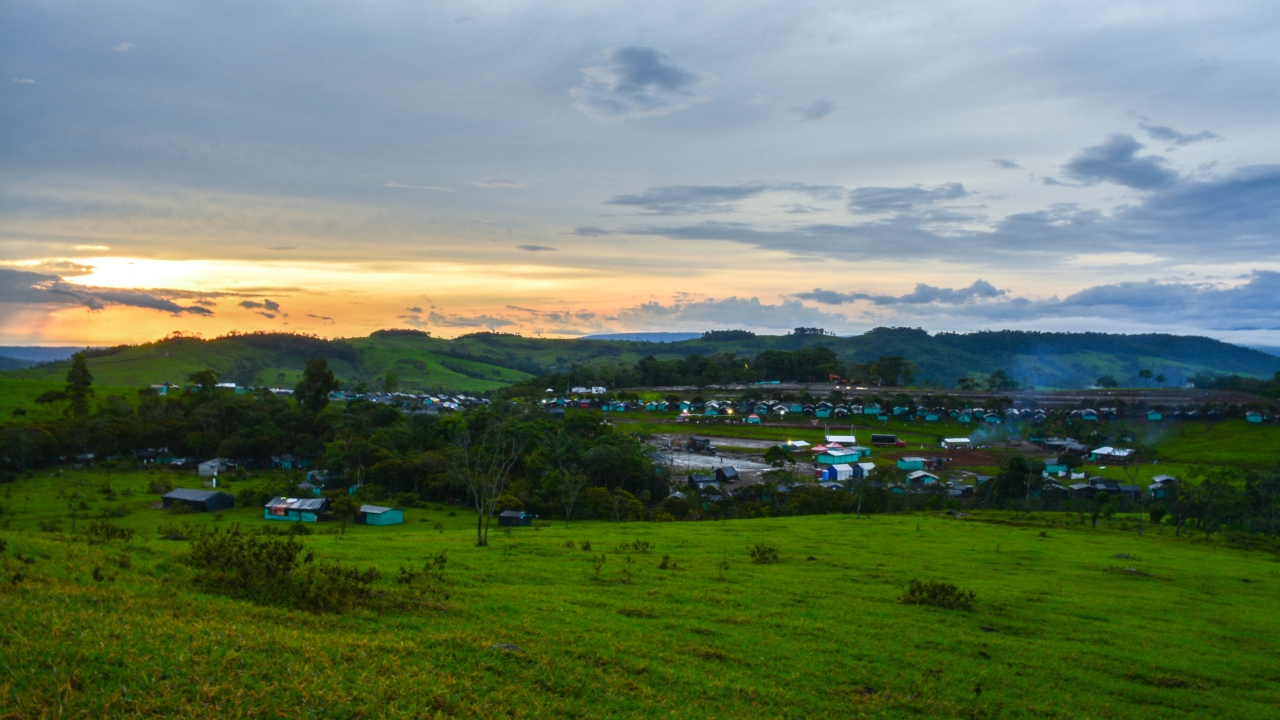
(1060, 628)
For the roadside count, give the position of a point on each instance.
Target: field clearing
(1060, 628)
(21, 393)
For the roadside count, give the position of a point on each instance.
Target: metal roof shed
(295, 509)
(377, 515)
(199, 500)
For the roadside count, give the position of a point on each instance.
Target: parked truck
(892, 440)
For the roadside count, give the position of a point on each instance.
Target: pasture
(654, 619)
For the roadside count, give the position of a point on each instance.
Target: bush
(1156, 513)
(763, 553)
(159, 486)
(938, 594)
(267, 569)
(101, 532)
(664, 517)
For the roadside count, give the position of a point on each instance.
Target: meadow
(654, 619)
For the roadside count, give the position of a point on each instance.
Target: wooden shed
(377, 515)
(295, 509)
(199, 500)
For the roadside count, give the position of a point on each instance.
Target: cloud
(560, 317)
(728, 312)
(816, 110)
(123, 47)
(267, 315)
(283, 247)
(902, 199)
(462, 321)
(268, 305)
(635, 82)
(923, 294)
(24, 81)
(419, 187)
(414, 310)
(1005, 164)
(535, 248)
(1237, 215)
(703, 199)
(325, 318)
(1116, 161)
(590, 231)
(1167, 134)
(463, 18)
(496, 183)
(18, 286)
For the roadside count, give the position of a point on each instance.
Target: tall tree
(312, 392)
(482, 461)
(79, 385)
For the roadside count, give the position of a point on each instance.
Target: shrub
(664, 517)
(50, 526)
(938, 594)
(159, 486)
(1156, 513)
(101, 532)
(763, 553)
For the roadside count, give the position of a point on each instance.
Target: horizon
(565, 171)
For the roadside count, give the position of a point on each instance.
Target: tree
(966, 384)
(778, 456)
(565, 486)
(205, 382)
(345, 507)
(391, 383)
(999, 381)
(1263, 492)
(79, 385)
(312, 392)
(1145, 374)
(1107, 381)
(1160, 380)
(625, 506)
(482, 461)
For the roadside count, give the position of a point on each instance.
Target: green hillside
(636, 619)
(487, 361)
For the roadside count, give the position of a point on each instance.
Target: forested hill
(489, 361)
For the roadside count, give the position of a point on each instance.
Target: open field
(21, 393)
(1059, 629)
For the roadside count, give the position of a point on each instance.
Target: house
(555, 412)
(837, 456)
(823, 410)
(1155, 415)
(841, 411)
(901, 410)
(307, 488)
(1253, 416)
(1055, 468)
(954, 443)
(651, 406)
(211, 468)
(1110, 454)
(795, 444)
(199, 500)
(289, 462)
(837, 473)
(795, 407)
(992, 418)
(727, 474)
(932, 416)
(1163, 486)
(1091, 415)
(871, 409)
(845, 440)
(863, 469)
(514, 518)
(911, 463)
(702, 481)
(376, 515)
(753, 419)
(920, 477)
(295, 509)
(1082, 491)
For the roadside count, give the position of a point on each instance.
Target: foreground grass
(1060, 627)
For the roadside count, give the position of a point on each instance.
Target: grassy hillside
(1061, 626)
(487, 362)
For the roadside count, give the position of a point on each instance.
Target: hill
(488, 361)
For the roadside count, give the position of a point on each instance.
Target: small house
(701, 481)
(911, 463)
(1082, 491)
(992, 418)
(955, 443)
(685, 405)
(727, 474)
(871, 409)
(1155, 415)
(753, 419)
(920, 477)
(1091, 415)
(838, 456)
(1253, 416)
(199, 500)
(1111, 454)
(965, 417)
(214, 467)
(837, 473)
(514, 518)
(376, 515)
(289, 462)
(295, 509)
(1163, 486)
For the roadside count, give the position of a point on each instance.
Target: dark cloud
(325, 318)
(268, 305)
(1167, 134)
(535, 248)
(635, 82)
(703, 199)
(1116, 161)
(1238, 216)
(590, 231)
(923, 294)
(495, 183)
(267, 315)
(414, 310)
(30, 288)
(817, 110)
(902, 199)
(1005, 164)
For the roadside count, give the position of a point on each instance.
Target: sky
(561, 169)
